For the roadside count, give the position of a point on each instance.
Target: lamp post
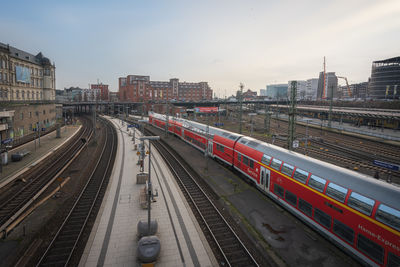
(149, 187)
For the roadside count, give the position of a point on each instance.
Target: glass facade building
(385, 79)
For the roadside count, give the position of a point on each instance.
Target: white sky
(221, 42)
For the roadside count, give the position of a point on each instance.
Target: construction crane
(347, 84)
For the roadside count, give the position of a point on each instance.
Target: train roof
(361, 183)
(212, 130)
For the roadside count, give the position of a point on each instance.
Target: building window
(21, 116)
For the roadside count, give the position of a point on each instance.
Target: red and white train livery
(354, 210)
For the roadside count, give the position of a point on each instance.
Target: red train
(353, 210)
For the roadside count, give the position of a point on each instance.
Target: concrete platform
(114, 240)
(48, 144)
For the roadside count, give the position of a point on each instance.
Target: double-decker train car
(353, 210)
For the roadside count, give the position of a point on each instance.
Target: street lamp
(149, 187)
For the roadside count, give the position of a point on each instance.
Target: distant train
(353, 210)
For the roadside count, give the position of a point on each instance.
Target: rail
(39, 179)
(229, 249)
(65, 242)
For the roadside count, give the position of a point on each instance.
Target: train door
(210, 147)
(264, 178)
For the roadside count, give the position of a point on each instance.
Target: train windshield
(388, 216)
(361, 203)
(336, 191)
(317, 183)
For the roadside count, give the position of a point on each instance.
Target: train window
(322, 218)
(291, 198)
(251, 163)
(317, 183)
(337, 192)
(266, 159)
(343, 231)
(239, 158)
(393, 260)
(361, 203)
(287, 169)
(246, 161)
(278, 190)
(252, 144)
(222, 148)
(300, 175)
(305, 207)
(276, 164)
(370, 248)
(388, 216)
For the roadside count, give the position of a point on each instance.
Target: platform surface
(48, 144)
(114, 240)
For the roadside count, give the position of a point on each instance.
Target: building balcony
(7, 114)
(3, 127)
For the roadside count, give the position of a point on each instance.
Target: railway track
(345, 151)
(67, 242)
(39, 178)
(227, 246)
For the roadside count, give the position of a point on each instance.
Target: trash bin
(148, 249)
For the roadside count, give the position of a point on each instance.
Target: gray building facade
(331, 86)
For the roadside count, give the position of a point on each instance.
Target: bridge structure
(388, 118)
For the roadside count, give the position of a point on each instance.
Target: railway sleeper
(54, 260)
(71, 232)
(210, 214)
(60, 250)
(65, 242)
(213, 221)
(236, 261)
(218, 228)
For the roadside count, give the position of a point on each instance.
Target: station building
(385, 79)
(139, 88)
(27, 93)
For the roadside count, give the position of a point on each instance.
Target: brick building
(139, 88)
(102, 89)
(249, 94)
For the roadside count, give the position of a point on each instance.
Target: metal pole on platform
(149, 186)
